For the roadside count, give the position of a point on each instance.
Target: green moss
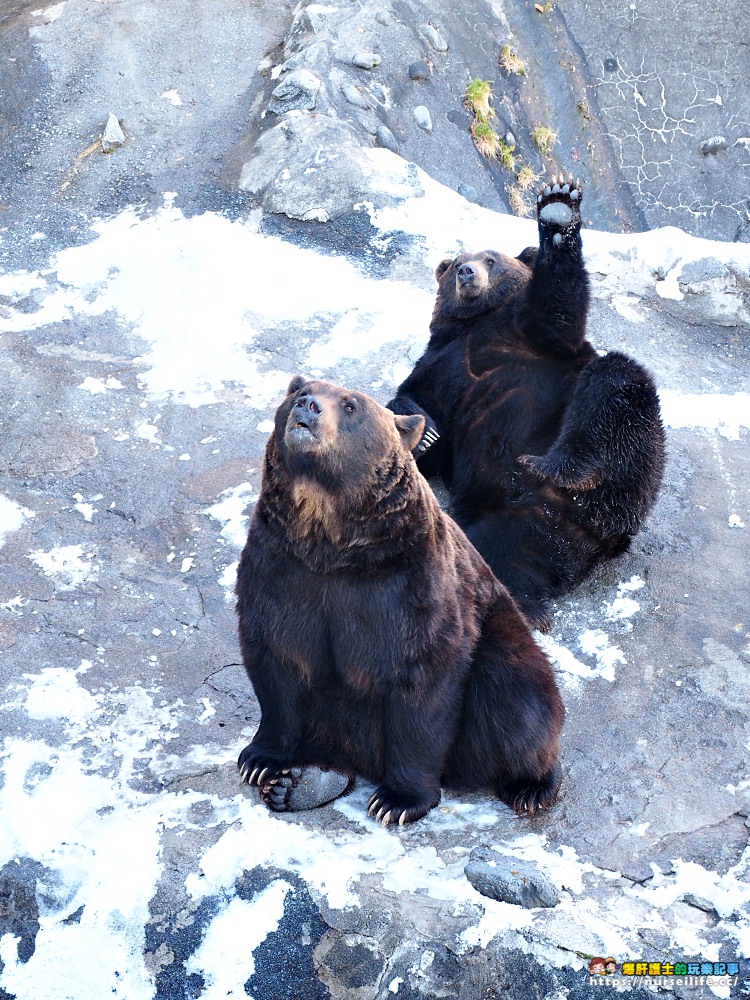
(477, 98)
(543, 138)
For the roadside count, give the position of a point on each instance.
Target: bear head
(340, 438)
(474, 283)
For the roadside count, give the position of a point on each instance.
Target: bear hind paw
(527, 796)
(299, 788)
(569, 475)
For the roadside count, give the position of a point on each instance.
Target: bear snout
(466, 273)
(303, 420)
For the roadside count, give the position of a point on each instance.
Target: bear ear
(296, 384)
(528, 256)
(410, 428)
(442, 267)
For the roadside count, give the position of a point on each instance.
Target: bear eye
(490, 262)
(349, 405)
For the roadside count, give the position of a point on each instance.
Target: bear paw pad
(558, 204)
(296, 789)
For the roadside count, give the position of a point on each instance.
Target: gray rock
(423, 118)
(434, 37)
(355, 96)
(468, 191)
(311, 167)
(298, 91)
(715, 144)
(419, 70)
(510, 139)
(366, 60)
(113, 136)
(384, 17)
(385, 138)
(509, 879)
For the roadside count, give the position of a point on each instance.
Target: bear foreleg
(419, 725)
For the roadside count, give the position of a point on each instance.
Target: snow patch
(12, 517)
(67, 565)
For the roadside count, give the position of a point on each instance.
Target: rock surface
(153, 305)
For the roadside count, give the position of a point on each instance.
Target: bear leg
(557, 297)
(611, 445)
(419, 721)
(511, 718)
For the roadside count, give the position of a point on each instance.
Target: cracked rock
(297, 92)
(509, 879)
(715, 144)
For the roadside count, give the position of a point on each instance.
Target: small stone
(384, 17)
(355, 96)
(509, 879)
(715, 144)
(419, 70)
(434, 37)
(510, 140)
(423, 118)
(298, 91)
(385, 138)
(468, 192)
(365, 60)
(113, 136)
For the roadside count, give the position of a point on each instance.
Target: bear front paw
(389, 807)
(429, 438)
(256, 767)
(558, 207)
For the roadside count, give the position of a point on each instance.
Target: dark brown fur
(554, 455)
(376, 638)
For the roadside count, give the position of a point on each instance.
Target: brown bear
(376, 638)
(554, 455)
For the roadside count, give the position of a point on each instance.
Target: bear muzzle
(303, 424)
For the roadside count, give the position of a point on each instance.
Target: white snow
(68, 565)
(12, 517)
(199, 292)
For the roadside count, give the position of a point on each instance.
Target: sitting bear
(554, 455)
(376, 638)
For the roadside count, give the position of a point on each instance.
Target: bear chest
(346, 629)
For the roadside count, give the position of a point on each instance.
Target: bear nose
(308, 404)
(466, 273)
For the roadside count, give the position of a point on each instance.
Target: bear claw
(429, 438)
(558, 204)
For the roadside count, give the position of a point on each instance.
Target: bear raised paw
(558, 209)
(554, 455)
(376, 638)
